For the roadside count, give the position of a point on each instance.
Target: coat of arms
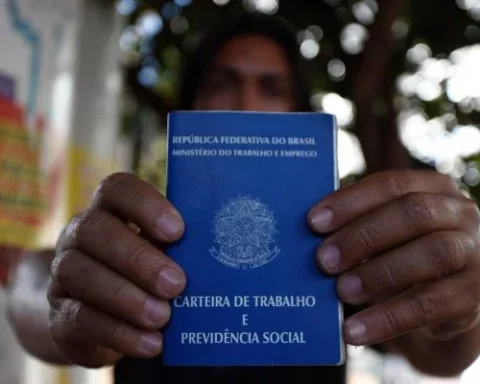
(244, 230)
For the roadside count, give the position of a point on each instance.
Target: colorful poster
(29, 182)
(59, 91)
(23, 184)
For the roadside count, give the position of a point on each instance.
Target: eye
(275, 86)
(219, 80)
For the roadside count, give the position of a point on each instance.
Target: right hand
(110, 286)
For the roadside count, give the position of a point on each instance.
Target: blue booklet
(244, 182)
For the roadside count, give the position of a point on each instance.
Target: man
(110, 280)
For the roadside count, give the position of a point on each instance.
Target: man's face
(249, 73)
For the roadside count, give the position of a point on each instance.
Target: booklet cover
(244, 183)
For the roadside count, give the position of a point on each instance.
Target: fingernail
(170, 224)
(322, 219)
(350, 287)
(329, 257)
(171, 278)
(155, 310)
(150, 344)
(356, 330)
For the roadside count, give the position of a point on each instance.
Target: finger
(429, 258)
(450, 329)
(77, 328)
(92, 283)
(106, 238)
(425, 305)
(356, 200)
(131, 198)
(405, 219)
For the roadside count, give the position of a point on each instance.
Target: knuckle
(126, 185)
(120, 290)
(70, 232)
(390, 320)
(52, 293)
(420, 210)
(139, 254)
(91, 222)
(141, 259)
(365, 236)
(79, 225)
(73, 313)
(118, 332)
(448, 250)
(61, 268)
(388, 274)
(64, 322)
(424, 307)
(396, 183)
(111, 183)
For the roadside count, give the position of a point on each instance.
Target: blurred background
(86, 85)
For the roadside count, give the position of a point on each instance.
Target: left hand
(407, 245)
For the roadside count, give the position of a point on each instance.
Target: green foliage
(442, 28)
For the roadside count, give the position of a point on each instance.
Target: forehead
(252, 54)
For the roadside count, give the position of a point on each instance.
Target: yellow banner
(86, 171)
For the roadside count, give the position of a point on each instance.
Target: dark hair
(197, 62)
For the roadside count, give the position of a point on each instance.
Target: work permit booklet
(244, 183)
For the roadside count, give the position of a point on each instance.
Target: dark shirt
(133, 371)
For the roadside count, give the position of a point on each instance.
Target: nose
(250, 97)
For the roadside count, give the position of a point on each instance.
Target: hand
(406, 245)
(109, 285)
